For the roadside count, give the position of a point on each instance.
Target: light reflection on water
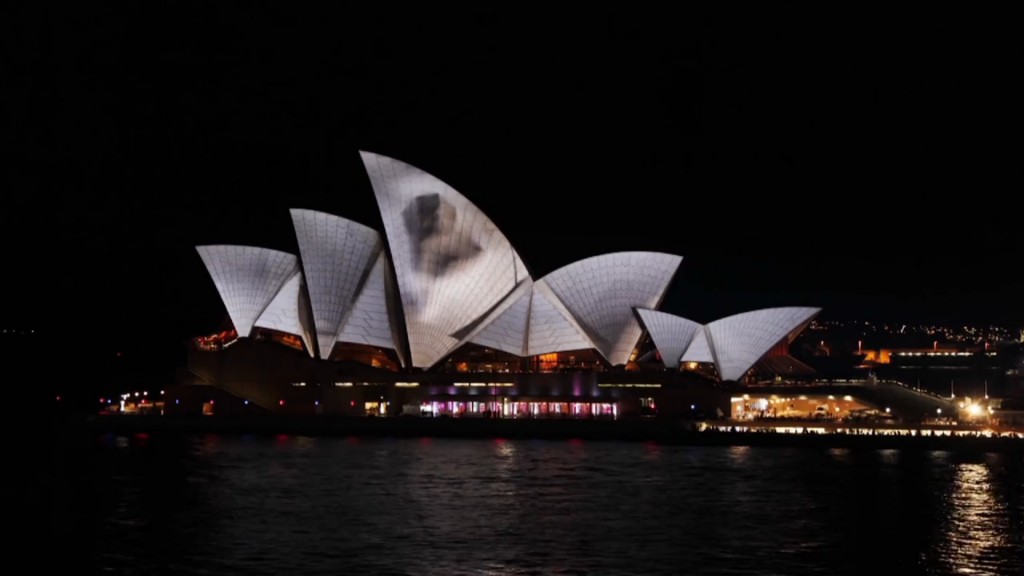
(977, 532)
(269, 505)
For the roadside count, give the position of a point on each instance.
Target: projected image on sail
(453, 265)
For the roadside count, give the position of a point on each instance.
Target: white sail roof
(671, 334)
(284, 313)
(336, 255)
(247, 279)
(602, 291)
(452, 264)
(506, 329)
(369, 322)
(535, 322)
(699, 350)
(739, 341)
(552, 326)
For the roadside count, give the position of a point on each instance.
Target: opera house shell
(442, 278)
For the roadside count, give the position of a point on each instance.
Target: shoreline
(667, 432)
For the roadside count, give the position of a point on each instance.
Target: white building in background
(337, 255)
(671, 334)
(733, 344)
(449, 278)
(738, 341)
(601, 292)
(285, 312)
(247, 279)
(451, 262)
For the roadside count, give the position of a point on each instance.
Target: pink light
(280, 402)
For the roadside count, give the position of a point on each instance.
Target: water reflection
(652, 451)
(975, 538)
(272, 505)
(839, 454)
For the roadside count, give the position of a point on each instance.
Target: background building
(440, 315)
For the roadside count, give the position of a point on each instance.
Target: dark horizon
(859, 163)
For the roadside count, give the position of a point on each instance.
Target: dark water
(299, 505)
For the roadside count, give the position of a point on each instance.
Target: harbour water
(277, 504)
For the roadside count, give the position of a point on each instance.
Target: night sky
(865, 162)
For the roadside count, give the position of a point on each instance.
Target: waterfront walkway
(678, 432)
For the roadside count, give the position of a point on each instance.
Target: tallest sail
(452, 264)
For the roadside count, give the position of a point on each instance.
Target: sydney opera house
(438, 315)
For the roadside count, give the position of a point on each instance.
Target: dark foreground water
(298, 505)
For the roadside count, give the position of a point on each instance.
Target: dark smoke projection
(435, 242)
